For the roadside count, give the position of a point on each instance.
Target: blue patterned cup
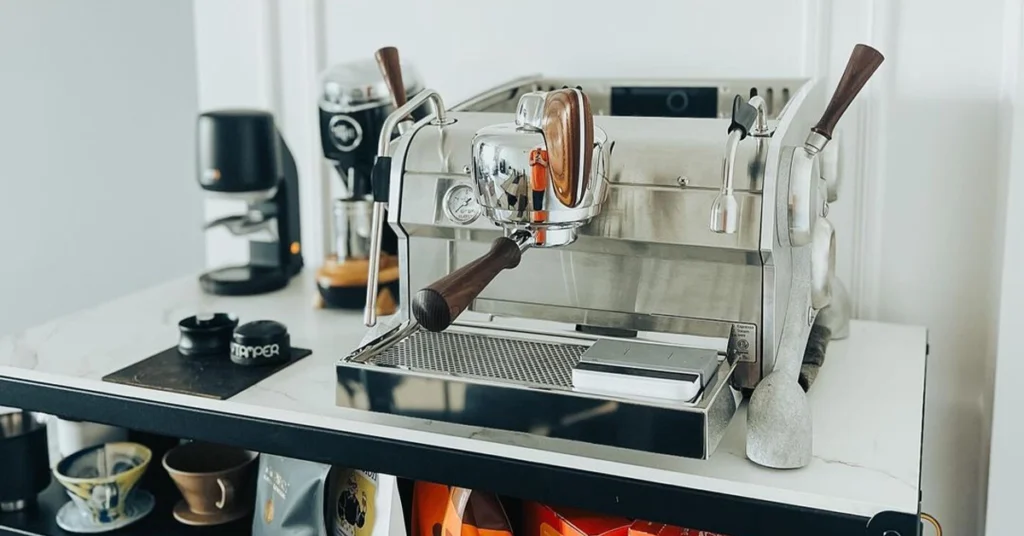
(100, 478)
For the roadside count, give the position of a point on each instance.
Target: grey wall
(97, 190)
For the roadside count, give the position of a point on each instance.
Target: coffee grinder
(242, 156)
(356, 99)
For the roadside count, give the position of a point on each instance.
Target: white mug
(73, 436)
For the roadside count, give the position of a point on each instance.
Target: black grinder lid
(237, 151)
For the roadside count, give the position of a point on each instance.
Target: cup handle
(227, 493)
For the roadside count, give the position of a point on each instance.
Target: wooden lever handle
(438, 305)
(568, 126)
(391, 69)
(863, 63)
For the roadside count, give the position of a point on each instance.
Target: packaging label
(744, 342)
(355, 511)
(277, 481)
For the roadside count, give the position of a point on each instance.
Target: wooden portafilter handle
(435, 307)
(863, 63)
(391, 69)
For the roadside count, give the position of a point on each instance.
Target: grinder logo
(240, 351)
(346, 134)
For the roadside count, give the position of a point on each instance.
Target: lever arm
(804, 200)
(391, 69)
(863, 63)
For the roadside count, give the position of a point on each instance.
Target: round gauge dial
(460, 204)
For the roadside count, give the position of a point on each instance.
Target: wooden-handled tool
(435, 307)
(391, 69)
(568, 126)
(863, 63)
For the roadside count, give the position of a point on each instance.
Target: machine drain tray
(518, 382)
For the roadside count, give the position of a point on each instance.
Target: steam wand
(725, 210)
(380, 177)
(760, 128)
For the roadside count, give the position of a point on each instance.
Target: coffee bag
(302, 498)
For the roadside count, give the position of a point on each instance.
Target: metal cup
(352, 222)
(24, 460)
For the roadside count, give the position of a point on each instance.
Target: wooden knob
(863, 63)
(391, 69)
(568, 127)
(438, 305)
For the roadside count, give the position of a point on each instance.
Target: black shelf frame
(609, 494)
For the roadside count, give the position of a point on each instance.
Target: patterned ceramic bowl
(99, 479)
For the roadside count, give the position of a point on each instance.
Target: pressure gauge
(460, 204)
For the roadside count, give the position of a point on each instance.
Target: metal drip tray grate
(485, 357)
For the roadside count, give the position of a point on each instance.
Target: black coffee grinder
(356, 99)
(242, 156)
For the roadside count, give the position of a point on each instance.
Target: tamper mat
(209, 377)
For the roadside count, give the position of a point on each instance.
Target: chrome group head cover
(548, 171)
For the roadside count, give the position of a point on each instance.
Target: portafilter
(539, 178)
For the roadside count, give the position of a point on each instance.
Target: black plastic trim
(614, 495)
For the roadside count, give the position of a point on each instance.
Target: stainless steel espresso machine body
(609, 261)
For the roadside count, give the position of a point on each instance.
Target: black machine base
(243, 280)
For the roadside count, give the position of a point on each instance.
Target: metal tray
(521, 381)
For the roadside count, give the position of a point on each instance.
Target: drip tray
(504, 381)
(487, 358)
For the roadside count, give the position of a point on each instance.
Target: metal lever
(725, 210)
(391, 69)
(805, 202)
(863, 63)
(380, 178)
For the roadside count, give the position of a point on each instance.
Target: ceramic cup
(99, 479)
(214, 480)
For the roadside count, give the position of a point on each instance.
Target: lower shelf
(40, 519)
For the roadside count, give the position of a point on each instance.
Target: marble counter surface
(867, 401)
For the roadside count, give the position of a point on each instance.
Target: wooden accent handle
(438, 305)
(568, 127)
(391, 70)
(863, 63)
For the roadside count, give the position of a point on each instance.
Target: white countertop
(867, 401)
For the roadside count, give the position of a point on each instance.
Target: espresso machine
(608, 261)
(242, 157)
(355, 100)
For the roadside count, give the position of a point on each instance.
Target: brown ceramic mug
(213, 479)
